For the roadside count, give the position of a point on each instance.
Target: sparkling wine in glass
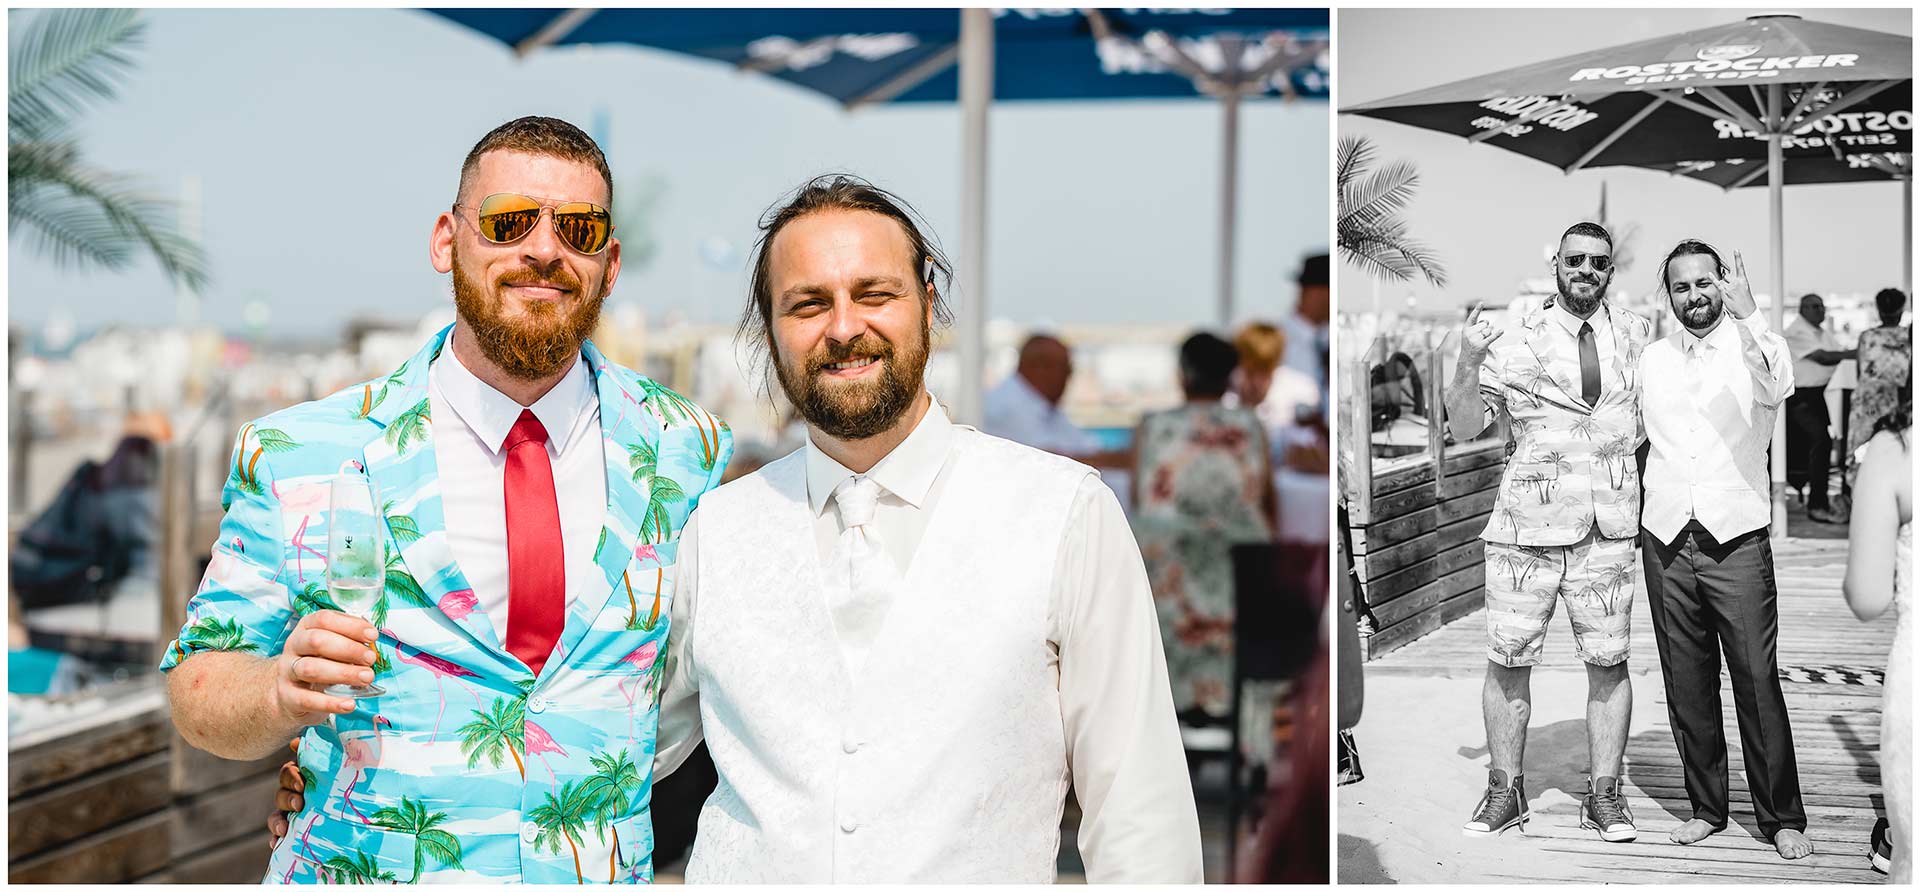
(356, 555)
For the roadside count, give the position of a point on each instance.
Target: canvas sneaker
(1605, 810)
(1503, 805)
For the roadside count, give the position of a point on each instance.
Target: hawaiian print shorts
(1594, 577)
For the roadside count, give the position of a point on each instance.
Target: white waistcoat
(945, 759)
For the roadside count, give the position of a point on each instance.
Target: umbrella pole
(1906, 230)
(976, 93)
(1229, 185)
(1776, 175)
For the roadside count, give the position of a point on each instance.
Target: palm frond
(1367, 227)
(65, 59)
(82, 216)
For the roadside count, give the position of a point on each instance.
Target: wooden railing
(118, 796)
(1417, 519)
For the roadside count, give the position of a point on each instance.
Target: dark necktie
(1589, 366)
(536, 573)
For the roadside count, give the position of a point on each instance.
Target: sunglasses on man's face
(507, 217)
(1601, 262)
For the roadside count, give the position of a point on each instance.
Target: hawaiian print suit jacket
(469, 769)
(1571, 464)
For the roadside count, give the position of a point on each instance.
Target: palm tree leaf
(1382, 193)
(80, 215)
(444, 847)
(275, 441)
(65, 59)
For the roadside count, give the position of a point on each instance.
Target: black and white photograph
(1623, 333)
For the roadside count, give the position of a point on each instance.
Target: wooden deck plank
(1836, 735)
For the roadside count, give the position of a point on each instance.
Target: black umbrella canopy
(1689, 97)
(1750, 172)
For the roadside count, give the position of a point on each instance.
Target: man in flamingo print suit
(549, 620)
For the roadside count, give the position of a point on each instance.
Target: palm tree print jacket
(1571, 464)
(469, 769)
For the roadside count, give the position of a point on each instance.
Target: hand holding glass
(356, 556)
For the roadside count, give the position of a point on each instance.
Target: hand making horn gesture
(1477, 338)
(1735, 290)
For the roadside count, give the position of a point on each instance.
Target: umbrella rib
(913, 76)
(1713, 113)
(1806, 101)
(1854, 98)
(1750, 176)
(1733, 109)
(553, 31)
(1611, 138)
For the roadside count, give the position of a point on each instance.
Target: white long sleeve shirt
(1129, 775)
(1709, 405)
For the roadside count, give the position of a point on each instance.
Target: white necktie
(860, 605)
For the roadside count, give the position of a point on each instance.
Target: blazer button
(848, 825)
(849, 746)
(529, 832)
(536, 703)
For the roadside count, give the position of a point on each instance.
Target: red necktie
(536, 571)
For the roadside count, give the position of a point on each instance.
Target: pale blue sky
(1099, 211)
(1490, 213)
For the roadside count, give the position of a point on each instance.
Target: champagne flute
(356, 556)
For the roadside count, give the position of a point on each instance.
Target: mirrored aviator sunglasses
(507, 217)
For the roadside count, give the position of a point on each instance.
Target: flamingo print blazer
(469, 769)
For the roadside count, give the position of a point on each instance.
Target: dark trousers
(1707, 596)
(1808, 443)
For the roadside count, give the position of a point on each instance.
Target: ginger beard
(856, 410)
(539, 341)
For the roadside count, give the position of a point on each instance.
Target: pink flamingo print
(641, 659)
(360, 757)
(306, 844)
(441, 669)
(309, 500)
(459, 604)
(646, 553)
(539, 742)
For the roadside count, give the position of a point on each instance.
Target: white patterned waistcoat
(944, 759)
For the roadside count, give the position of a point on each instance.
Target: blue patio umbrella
(861, 57)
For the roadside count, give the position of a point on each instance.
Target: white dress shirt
(1709, 407)
(471, 421)
(1102, 619)
(1602, 332)
(1017, 412)
(1803, 338)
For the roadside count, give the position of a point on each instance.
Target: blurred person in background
(1025, 406)
(1880, 578)
(1202, 485)
(1886, 372)
(1809, 442)
(1299, 391)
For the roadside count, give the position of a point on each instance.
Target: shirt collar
(907, 471)
(1690, 341)
(1572, 323)
(491, 414)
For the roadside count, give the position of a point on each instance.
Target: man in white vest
(905, 641)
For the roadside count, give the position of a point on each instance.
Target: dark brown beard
(540, 342)
(856, 411)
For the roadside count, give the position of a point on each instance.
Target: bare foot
(1792, 844)
(1692, 831)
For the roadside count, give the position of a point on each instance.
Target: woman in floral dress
(1202, 485)
(1886, 366)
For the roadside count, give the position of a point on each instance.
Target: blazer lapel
(1546, 353)
(630, 437)
(400, 460)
